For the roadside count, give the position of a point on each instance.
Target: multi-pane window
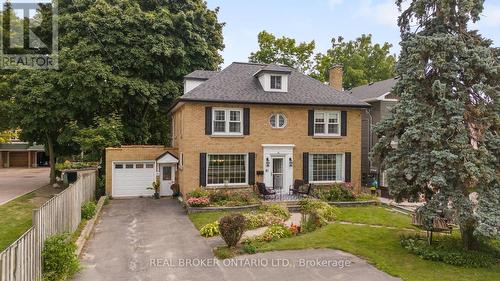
(276, 82)
(227, 121)
(327, 123)
(326, 167)
(277, 120)
(226, 169)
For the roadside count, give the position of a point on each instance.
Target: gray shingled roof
(237, 84)
(201, 74)
(373, 90)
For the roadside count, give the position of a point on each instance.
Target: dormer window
(276, 82)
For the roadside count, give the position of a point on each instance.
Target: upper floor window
(227, 121)
(327, 123)
(278, 120)
(276, 82)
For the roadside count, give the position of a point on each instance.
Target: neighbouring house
(22, 154)
(245, 124)
(379, 96)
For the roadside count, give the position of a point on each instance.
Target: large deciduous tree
(285, 51)
(124, 57)
(446, 123)
(364, 62)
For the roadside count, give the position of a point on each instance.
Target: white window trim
(328, 182)
(271, 84)
(229, 185)
(227, 121)
(326, 123)
(277, 120)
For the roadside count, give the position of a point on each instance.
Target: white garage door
(133, 179)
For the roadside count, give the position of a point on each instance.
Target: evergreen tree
(446, 123)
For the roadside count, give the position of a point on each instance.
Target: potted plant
(156, 188)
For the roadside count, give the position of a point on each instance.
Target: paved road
(146, 239)
(15, 182)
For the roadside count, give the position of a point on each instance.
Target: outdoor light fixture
(290, 161)
(267, 161)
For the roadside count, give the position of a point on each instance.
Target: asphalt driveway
(146, 239)
(15, 182)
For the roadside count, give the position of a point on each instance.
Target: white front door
(278, 166)
(167, 178)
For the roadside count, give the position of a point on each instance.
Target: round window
(277, 120)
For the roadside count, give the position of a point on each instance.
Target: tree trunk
(52, 160)
(469, 241)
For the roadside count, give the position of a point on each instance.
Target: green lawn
(15, 219)
(375, 215)
(380, 246)
(200, 219)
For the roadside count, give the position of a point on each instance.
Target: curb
(89, 228)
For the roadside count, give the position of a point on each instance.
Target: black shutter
(203, 169)
(251, 168)
(347, 167)
(305, 165)
(246, 121)
(343, 123)
(208, 120)
(310, 123)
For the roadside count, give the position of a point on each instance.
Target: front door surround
(278, 166)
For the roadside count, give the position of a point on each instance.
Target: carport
(22, 155)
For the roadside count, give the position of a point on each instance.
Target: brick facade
(132, 153)
(190, 140)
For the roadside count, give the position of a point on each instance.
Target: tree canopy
(285, 51)
(123, 57)
(364, 62)
(446, 123)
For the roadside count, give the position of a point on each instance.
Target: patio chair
(297, 184)
(264, 191)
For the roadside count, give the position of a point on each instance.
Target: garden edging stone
(89, 227)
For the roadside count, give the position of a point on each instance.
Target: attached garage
(18, 159)
(132, 179)
(132, 169)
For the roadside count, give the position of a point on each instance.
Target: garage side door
(133, 179)
(18, 159)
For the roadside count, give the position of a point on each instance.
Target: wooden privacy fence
(22, 260)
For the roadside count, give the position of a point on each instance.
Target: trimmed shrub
(198, 201)
(336, 192)
(448, 252)
(231, 228)
(277, 210)
(316, 214)
(88, 210)
(58, 258)
(210, 229)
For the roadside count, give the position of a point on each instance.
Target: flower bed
(214, 199)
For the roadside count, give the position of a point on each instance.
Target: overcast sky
(320, 20)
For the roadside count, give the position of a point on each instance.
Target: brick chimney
(335, 77)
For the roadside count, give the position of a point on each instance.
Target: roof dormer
(274, 78)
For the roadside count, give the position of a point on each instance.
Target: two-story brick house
(249, 123)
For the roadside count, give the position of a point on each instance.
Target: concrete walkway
(15, 182)
(146, 239)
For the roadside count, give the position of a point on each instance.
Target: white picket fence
(22, 260)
